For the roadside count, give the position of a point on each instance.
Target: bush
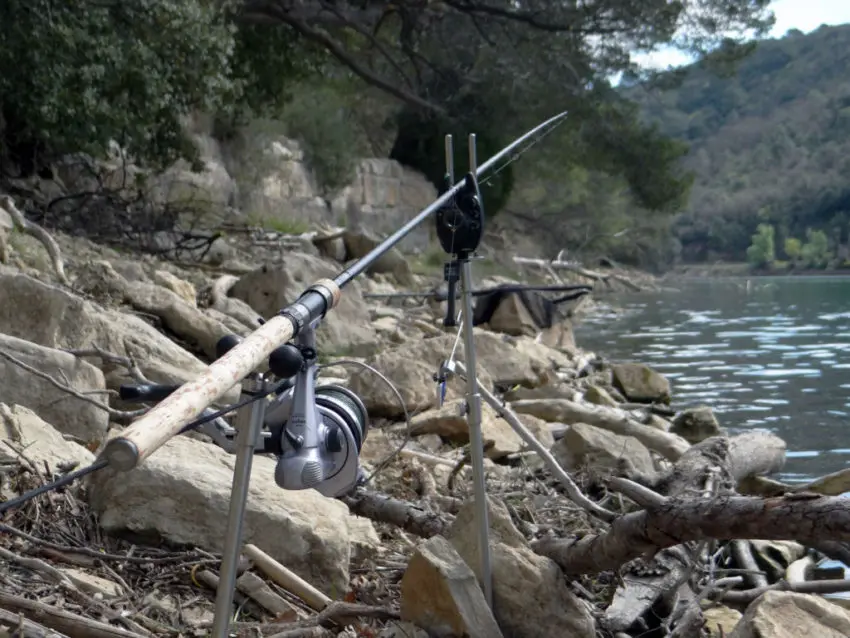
(762, 251)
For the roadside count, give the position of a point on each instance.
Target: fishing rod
(151, 431)
(316, 431)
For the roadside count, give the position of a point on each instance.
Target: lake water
(775, 356)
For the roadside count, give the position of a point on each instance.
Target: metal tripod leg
(249, 423)
(476, 440)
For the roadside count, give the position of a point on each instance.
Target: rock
(512, 317)
(721, 620)
(359, 243)
(530, 599)
(587, 446)
(52, 317)
(411, 367)
(599, 396)
(180, 287)
(184, 320)
(91, 584)
(40, 441)
(777, 614)
(65, 412)
(183, 492)
(640, 383)
(270, 288)
(696, 424)
(450, 422)
(440, 593)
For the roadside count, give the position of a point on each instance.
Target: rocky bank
(136, 554)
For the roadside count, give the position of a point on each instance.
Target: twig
(335, 613)
(93, 553)
(108, 357)
(119, 416)
(31, 228)
(641, 495)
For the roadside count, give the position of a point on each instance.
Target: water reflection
(776, 357)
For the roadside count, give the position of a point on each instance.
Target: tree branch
(805, 518)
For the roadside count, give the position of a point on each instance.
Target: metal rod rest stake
(249, 423)
(476, 439)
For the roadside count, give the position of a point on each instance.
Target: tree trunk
(805, 518)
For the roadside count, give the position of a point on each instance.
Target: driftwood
(579, 270)
(670, 446)
(716, 464)
(71, 625)
(805, 518)
(31, 228)
(17, 625)
(408, 516)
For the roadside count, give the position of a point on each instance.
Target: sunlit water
(774, 357)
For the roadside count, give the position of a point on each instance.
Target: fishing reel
(315, 431)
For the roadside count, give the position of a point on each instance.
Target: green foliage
(770, 143)
(320, 119)
(76, 74)
(762, 250)
(793, 248)
(815, 252)
(420, 144)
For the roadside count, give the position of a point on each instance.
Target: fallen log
(410, 517)
(805, 518)
(719, 461)
(670, 446)
(579, 270)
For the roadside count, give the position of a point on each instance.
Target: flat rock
(53, 317)
(183, 493)
(777, 614)
(40, 442)
(65, 412)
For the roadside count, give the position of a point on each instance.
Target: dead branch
(410, 517)
(668, 445)
(33, 229)
(336, 613)
(24, 628)
(108, 357)
(578, 270)
(805, 518)
(72, 625)
(119, 416)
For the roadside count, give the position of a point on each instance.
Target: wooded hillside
(768, 145)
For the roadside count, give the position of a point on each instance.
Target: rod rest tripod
(315, 431)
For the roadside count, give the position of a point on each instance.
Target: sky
(805, 15)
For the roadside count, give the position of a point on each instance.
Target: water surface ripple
(774, 356)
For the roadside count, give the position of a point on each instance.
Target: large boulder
(41, 443)
(273, 287)
(777, 614)
(64, 411)
(55, 318)
(530, 598)
(411, 367)
(640, 383)
(183, 493)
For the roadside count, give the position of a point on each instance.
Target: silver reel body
(317, 434)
